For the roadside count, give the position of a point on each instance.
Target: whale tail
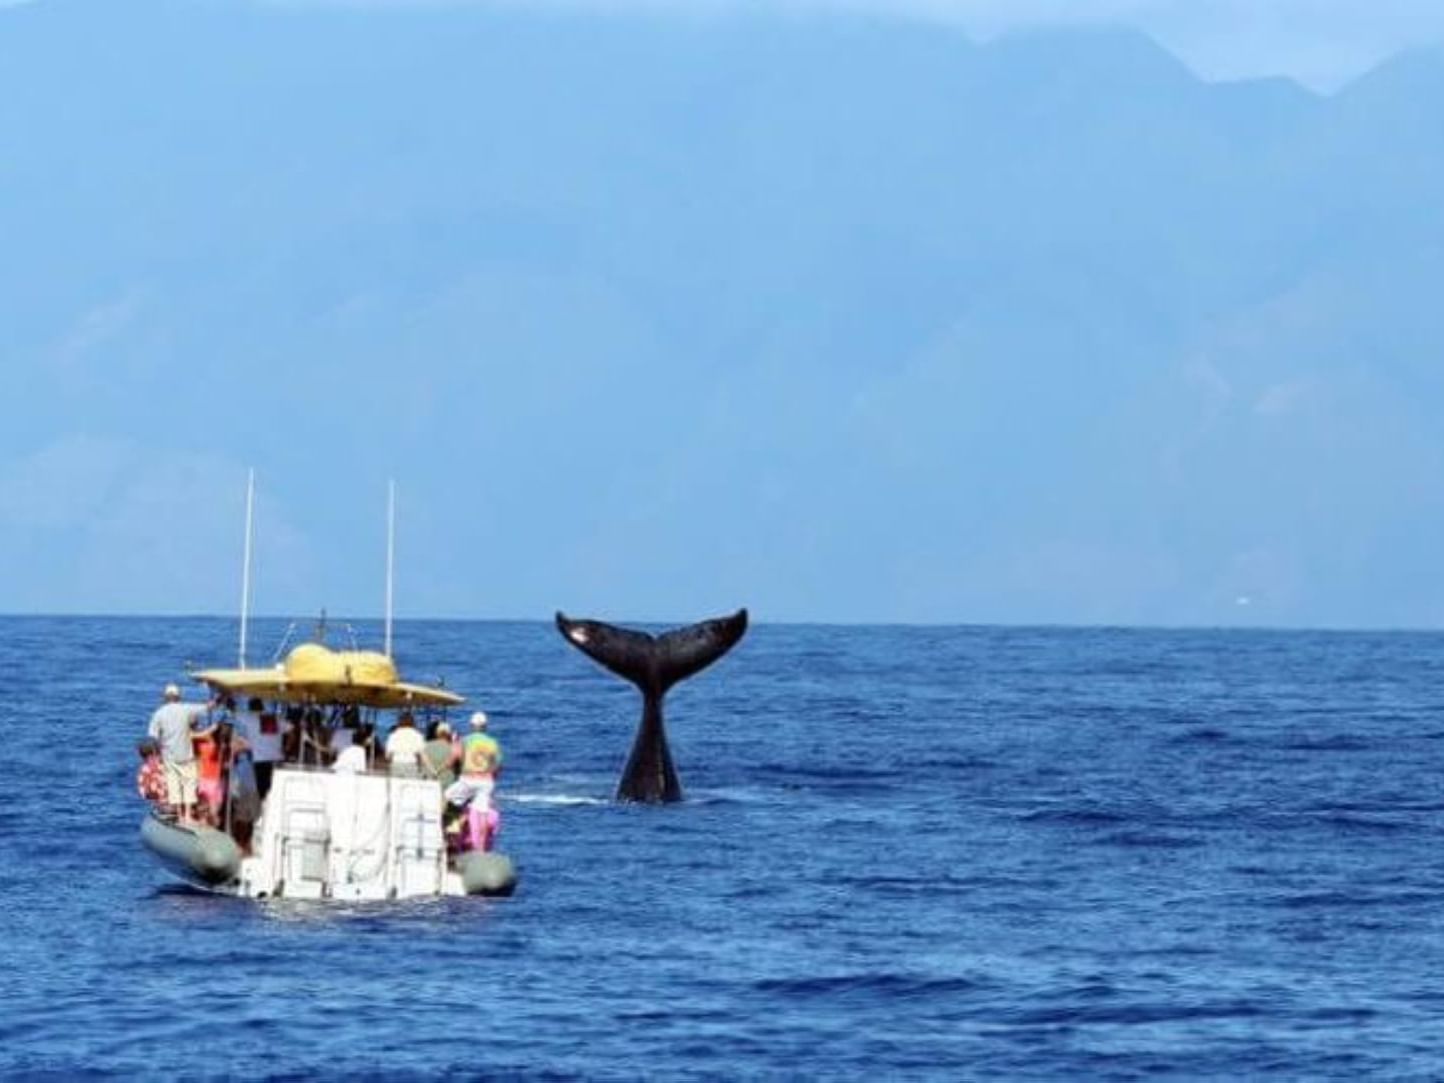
(654, 664)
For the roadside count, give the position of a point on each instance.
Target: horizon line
(1051, 625)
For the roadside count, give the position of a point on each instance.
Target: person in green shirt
(480, 764)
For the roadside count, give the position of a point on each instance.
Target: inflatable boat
(370, 834)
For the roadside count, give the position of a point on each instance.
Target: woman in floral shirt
(150, 779)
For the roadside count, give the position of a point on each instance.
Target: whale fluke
(654, 664)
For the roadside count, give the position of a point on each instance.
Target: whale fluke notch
(654, 664)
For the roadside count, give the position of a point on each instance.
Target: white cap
(172, 692)
(478, 720)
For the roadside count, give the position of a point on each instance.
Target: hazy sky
(1322, 43)
(842, 319)
(1319, 42)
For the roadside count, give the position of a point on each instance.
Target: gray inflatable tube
(198, 854)
(486, 873)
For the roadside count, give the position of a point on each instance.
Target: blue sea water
(906, 853)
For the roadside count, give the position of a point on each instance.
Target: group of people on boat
(213, 764)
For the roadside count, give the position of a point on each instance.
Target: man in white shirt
(172, 725)
(352, 761)
(404, 747)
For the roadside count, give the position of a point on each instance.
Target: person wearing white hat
(173, 725)
(480, 764)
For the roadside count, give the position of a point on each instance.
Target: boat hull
(321, 835)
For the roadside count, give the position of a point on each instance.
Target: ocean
(906, 853)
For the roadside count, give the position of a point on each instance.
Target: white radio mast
(246, 563)
(390, 558)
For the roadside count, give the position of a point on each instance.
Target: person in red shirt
(214, 748)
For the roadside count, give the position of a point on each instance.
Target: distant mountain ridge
(842, 317)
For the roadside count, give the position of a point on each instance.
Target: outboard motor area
(350, 836)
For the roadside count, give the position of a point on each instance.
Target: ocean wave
(1340, 742)
(1155, 840)
(1080, 817)
(1136, 1013)
(1349, 900)
(887, 983)
(913, 886)
(1203, 735)
(1363, 823)
(825, 773)
(1386, 805)
(562, 800)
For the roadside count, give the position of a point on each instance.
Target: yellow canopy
(315, 674)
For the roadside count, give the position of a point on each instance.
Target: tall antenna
(246, 563)
(390, 557)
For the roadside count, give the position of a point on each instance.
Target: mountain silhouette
(847, 318)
